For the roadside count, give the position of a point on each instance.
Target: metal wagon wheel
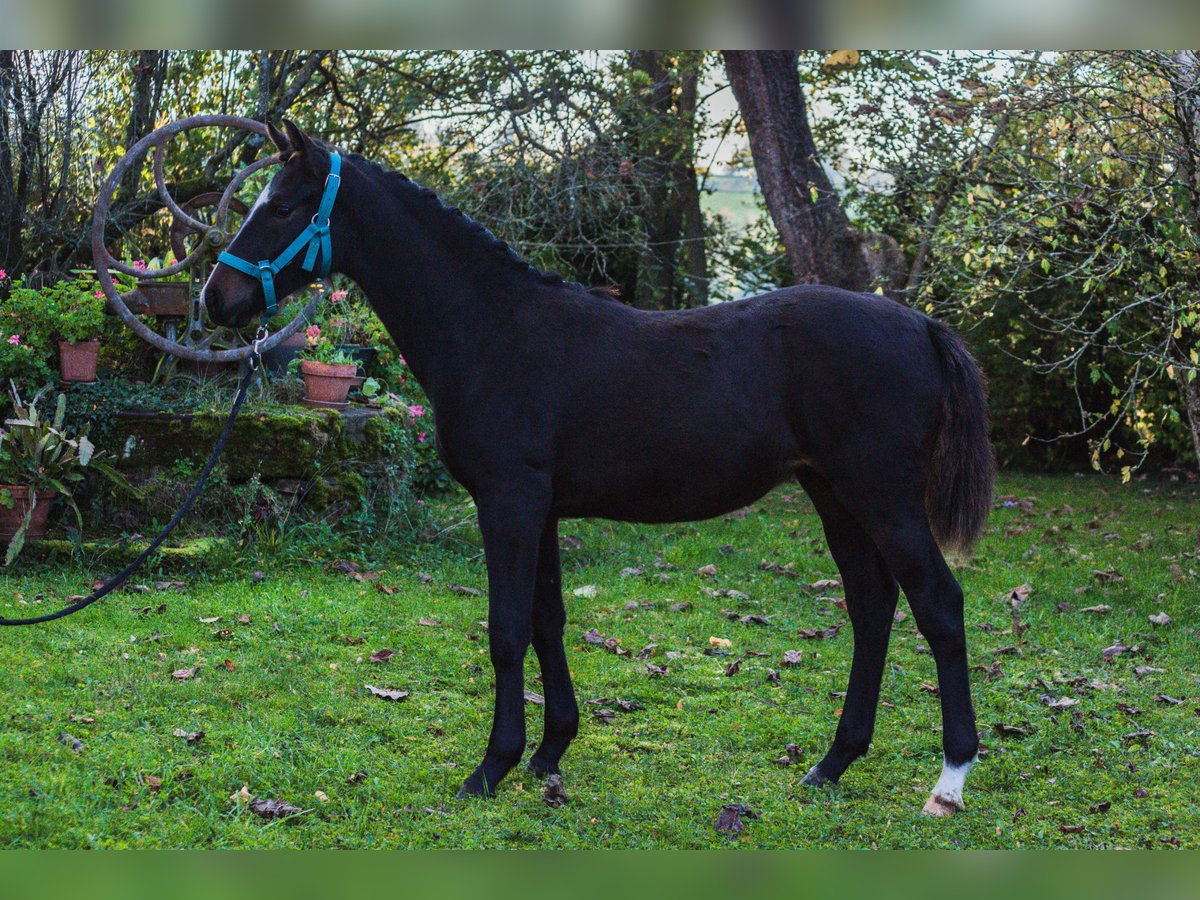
(215, 235)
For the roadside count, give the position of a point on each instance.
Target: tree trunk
(821, 246)
(149, 73)
(10, 213)
(695, 256)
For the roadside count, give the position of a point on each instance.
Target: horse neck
(441, 303)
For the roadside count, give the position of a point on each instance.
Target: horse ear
(280, 141)
(316, 158)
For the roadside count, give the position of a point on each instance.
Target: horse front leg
(549, 619)
(511, 521)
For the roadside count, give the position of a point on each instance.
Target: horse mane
(475, 232)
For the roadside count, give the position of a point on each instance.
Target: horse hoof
(469, 790)
(541, 769)
(940, 806)
(815, 779)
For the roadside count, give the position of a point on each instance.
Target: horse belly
(672, 484)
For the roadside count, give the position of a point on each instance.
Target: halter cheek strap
(315, 236)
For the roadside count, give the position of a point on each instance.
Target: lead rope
(121, 577)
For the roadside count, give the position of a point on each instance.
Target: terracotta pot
(77, 361)
(10, 519)
(327, 383)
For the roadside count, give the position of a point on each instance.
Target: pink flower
(3, 274)
(338, 296)
(139, 264)
(401, 360)
(313, 334)
(421, 438)
(416, 410)
(15, 340)
(420, 503)
(99, 295)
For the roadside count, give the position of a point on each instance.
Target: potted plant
(328, 371)
(76, 309)
(169, 297)
(359, 331)
(38, 460)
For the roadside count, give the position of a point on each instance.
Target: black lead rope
(120, 578)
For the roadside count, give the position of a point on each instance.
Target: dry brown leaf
(382, 656)
(386, 693)
(183, 674)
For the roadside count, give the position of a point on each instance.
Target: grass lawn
(281, 700)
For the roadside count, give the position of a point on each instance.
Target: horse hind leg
(936, 600)
(871, 595)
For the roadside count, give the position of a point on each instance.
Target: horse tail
(958, 495)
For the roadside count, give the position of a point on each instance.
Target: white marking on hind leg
(946, 798)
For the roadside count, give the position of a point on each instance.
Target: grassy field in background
(89, 755)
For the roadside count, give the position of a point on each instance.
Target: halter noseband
(316, 236)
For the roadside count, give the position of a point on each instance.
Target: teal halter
(316, 236)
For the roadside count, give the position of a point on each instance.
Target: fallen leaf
(322, 796)
(1167, 699)
(257, 576)
(1102, 807)
(1109, 576)
(183, 674)
(553, 793)
(71, 741)
(720, 642)
(382, 656)
(1113, 651)
(1129, 710)
(682, 606)
(242, 796)
(208, 620)
(825, 584)
(657, 671)
(1019, 595)
(730, 818)
(594, 637)
(83, 720)
(588, 591)
(1100, 609)
(463, 589)
(793, 657)
(274, 809)
(1059, 703)
(754, 619)
(1139, 737)
(631, 572)
(152, 781)
(773, 677)
(191, 737)
(1071, 829)
(535, 699)
(1160, 618)
(176, 586)
(424, 577)
(733, 668)
(1010, 730)
(707, 571)
(1141, 671)
(604, 715)
(386, 693)
(429, 622)
(243, 620)
(228, 664)
(817, 634)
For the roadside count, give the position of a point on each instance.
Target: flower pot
(77, 360)
(364, 356)
(280, 356)
(165, 298)
(10, 519)
(327, 383)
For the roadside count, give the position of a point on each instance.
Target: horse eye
(282, 210)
